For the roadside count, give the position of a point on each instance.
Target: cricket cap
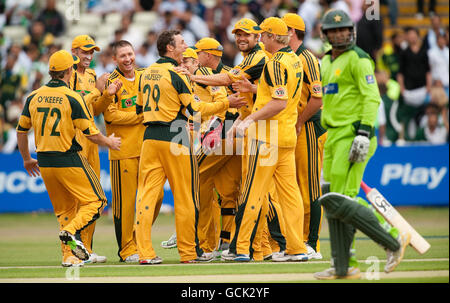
(190, 53)
(85, 42)
(272, 25)
(294, 21)
(209, 45)
(62, 60)
(246, 25)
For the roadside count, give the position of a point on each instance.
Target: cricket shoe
(134, 258)
(94, 258)
(227, 255)
(242, 258)
(155, 260)
(75, 245)
(171, 243)
(205, 257)
(312, 254)
(267, 257)
(395, 257)
(72, 261)
(280, 256)
(298, 257)
(353, 273)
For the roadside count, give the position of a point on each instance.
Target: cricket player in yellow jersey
(206, 136)
(311, 136)
(84, 81)
(55, 112)
(250, 67)
(121, 120)
(270, 138)
(217, 169)
(165, 98)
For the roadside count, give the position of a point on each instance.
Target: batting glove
(360, 147)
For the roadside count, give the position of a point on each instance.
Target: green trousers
(344, 177)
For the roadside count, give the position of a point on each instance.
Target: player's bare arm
(30, 164)
(111, 142)
(274, 107)
(209, 80)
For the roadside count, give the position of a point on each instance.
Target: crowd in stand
(412, 70)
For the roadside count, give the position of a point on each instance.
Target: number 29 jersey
(55, 111)
(165, 96)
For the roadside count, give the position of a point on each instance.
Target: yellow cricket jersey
(312, 82)
(165, 96)
(251, 67)
(84, 83)
(209, 94)
(55, 112)
(121, 118)
(281, 79)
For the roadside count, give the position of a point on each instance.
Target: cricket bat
(395, 218)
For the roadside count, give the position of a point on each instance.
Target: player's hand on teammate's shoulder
(114, 87)
(101, 81)
(183, 70)
(114, 142)
(236, 101)
(32, 167)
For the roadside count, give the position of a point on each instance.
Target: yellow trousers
(264, 163)
(222, 172)
(308, 162)
(159, 162)
(75, 192)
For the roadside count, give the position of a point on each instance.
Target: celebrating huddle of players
(242, 147)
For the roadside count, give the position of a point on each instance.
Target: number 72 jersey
(55, 111)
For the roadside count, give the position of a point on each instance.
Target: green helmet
(337, 18)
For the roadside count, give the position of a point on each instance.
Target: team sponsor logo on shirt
(214, 88)
(370, 79)
(128, 102)
(280, 92)
(196, 98)
(235, 71)
(331, 88)
(317, 89)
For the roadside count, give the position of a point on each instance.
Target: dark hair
(58, 74)
(410, 28)
(433, 108)
(119, 44)
(300, 34)
(164, 39)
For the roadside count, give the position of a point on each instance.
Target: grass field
(29, 252)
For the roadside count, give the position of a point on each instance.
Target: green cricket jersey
(350, 90)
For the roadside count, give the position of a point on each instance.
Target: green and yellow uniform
(56, 112)
(166, 100)
(121, 119)
(251, 68)
(309, 149)
(84, 84)
(272, 158)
